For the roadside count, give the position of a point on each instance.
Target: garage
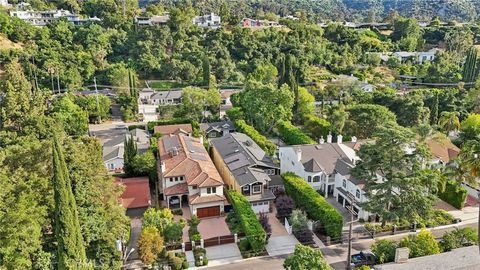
(261, 207)
(208, 211)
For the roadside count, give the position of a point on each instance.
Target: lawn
(165, 85)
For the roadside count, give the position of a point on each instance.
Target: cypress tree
(130, 151)
(70, 249)
(206, 71)
(471, 68)
(434, 110)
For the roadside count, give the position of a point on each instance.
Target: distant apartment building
(42, 18)
(159, 20)
(211, 20)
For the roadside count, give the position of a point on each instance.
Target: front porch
(176, 201)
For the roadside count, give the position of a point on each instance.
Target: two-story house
(113, 149)
(246, 168)
(187, 176)
(211, 20)
(217, 129)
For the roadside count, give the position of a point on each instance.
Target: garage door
(261, 207)
(208, 211)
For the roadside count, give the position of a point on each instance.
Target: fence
(203, 243)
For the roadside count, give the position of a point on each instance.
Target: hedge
(172, 121)
(316, 207)
(292, 135)
(254, 232)
(454, 194)
(268, 146)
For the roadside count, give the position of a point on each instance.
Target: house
(185, 129)
(187, 176)
(416, 57)
(211, 20)
(42, 18)
(136, 194)
(152, 21)
(226, 104)
(245, 168)
(326, 167)
(253, 23)
(113, 149)
(150, 97)
(443, 151)
(4, 3)
(217, 129)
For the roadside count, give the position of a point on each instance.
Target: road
(335, 254)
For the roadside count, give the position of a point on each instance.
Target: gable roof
(444, 150)
(173, 129)
(110, 153)
(243, 157)
(186, 156)
(217, 126)
(136, 193)
(170, 94)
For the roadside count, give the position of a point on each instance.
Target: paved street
(270, 263)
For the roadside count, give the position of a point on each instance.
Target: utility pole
(58, 82)
(350, 229)
(96, 96)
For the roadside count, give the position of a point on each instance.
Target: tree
(421, 244)
(364, 119)
(150, 244)
(73, 118)
(384, 250)
(284, 206)
(143, 165)
(173, 232)
(338, 117)
(317, 127)
(471, 68)
(305, 103)
(470, 127)
(306, 258)
(89, 104)
(129, 155)
(397, 187)
(70, 247)
(196, 100)
(159, 219)
(449, 121)
(406, 32)
(263, 219)
(459, 41)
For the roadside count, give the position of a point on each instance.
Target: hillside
(6, 44)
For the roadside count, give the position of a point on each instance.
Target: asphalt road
(264, 263)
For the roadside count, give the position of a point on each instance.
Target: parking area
(109, 130)
(213, 227)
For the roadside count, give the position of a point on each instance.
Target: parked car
(121, 126)
(363, 258)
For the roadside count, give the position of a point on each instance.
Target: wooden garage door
(208, 211)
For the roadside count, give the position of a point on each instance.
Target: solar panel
(191, 147)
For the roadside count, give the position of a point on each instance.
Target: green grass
(165, 85)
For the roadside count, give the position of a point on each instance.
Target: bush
(439, 218)
(173, 121)
(459, 238)
(173, 233)
(193, 233)
(185, 265)
(284, 206)
(268, 146)
(263, 219)
(132, 127)
(454, 194)
(384, 250)
(252, 228)
(316, 207)
(422, 244)
(177, 212)
(292, 135)
(197, 253)
(304, 236)
(317, 127)
(244, 245)
(176, 263)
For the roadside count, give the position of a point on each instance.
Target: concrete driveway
(213, 227)
(108, 130)
(278, 229)
(223, 254)
(281, 245)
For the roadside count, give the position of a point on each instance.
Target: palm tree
(449, 121)
(466, 169)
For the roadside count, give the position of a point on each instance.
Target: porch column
(343, 201)
(168, 201)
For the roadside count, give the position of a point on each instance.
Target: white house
(113, 149)
(416, 57)
(42, 18)
(187, 176)
(211, 20)
(149, 101)
(152, 21)
(4, 3)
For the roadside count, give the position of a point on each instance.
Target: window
(171, 179)
(194, 187)
(316, 179)
(213, 134)
(211, 190)
(245, 188)
(111, 166)
(344, 183)
(309, 179)
(254, 204)
(257, 189)
(358, 193)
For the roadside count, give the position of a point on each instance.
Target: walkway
(223, 254)
(281, 245)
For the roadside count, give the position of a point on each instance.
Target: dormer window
(257, 189)
(211, 190)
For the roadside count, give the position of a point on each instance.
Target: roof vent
(248, 143)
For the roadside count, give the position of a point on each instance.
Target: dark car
(363, 258)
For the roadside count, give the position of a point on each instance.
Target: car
(121, 126)
(363, 258)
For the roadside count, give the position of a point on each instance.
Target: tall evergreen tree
(130, 151)
(70, 245)
(206, 71)
(471, 67)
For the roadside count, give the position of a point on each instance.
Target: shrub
(317, 127)
(132, 127)
(197, 253)
(193, 233)
(284, 206)
(252, 228)
(263, 219)
(177, 212)
(234, 223)
(268, 146)
(459, 238)
(173, 232)
(244, 245)
(454, 194)
(304, 236)
(149, 244)
(176, 263)
(292, 135)
(316, 207)
(384, 250)
(185, 265)
(298, 220)
(422, 244)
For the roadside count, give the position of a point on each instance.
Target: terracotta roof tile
(197, 199)
(443, 150)
(137, 192)
(173, 129)
(181, 188)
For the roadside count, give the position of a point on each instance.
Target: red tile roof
(176, 189)
(137, 192)
(197, 199)
(444, 150)
(173, 129)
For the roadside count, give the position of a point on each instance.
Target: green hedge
(268, 146)
(172, 121)
(254, 232)
(454, 194)
(292, 135)
(316, 207)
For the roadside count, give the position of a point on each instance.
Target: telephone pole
(350, 229)
(96, 96)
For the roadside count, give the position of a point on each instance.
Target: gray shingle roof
(244, 158)
(322, 157)
(172, 94)
(217, 126)
(112, 153)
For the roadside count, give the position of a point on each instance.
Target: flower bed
(200, 255)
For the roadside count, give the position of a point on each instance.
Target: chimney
(201, 140)
(299, 154)
(329, 138)
(339, 139)
(354, 139)
(321, 141)
(163, 167)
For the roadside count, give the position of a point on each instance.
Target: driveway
(108, 130)
(281, 245)
(213, 227)
(278, 229)
(223, 254)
